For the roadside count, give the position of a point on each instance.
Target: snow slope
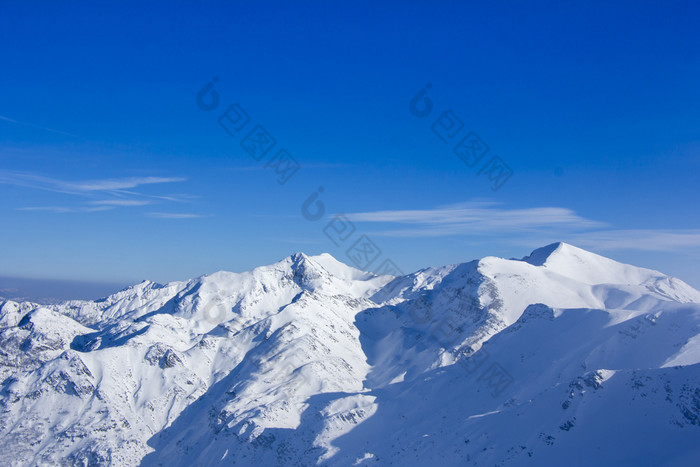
(563, 357)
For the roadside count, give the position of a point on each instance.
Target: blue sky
(110, 170)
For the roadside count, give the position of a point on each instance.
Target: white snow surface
(562, 358)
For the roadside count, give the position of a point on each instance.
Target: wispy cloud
(66, 209)
(17, 122)
(121, 183)
(312, 165)
(120, 202)
(40, 182)
(35, 181)
(482, 217)
(113, 192)
(640, 239)
(178, 198)
(174, 215)
(530, 226)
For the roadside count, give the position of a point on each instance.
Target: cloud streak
(114, 185)
(120, 202)
(121, 183)
(174, 215)
(17, 122)
(66, 209)
(114, 192)
(482, 217)
(640, 239)
(530, 226)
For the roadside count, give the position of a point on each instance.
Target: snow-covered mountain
(564, 357)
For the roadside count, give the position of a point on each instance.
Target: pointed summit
(298, 257)
(587, 267)
(558, 252)
(540, 256)
(306, 272)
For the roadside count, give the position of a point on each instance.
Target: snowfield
(562, 358)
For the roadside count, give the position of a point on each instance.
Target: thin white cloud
(121, 183)
(528, 227)
(120, 202)
(482, 217)
(66, 209)
(17, 122)
(640, 239)
(115, 188)
(317, 165)
(178, 198)
(173, 215)
(40, 182)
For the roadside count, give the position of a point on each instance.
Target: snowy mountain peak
(560, 253)
(309, 361)
(587, 267)
(540, 256)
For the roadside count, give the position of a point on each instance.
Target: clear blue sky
(110, 171)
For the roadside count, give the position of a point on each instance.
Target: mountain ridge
(308, 360)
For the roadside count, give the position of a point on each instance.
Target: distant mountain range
(49, 291)
(562, 358)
